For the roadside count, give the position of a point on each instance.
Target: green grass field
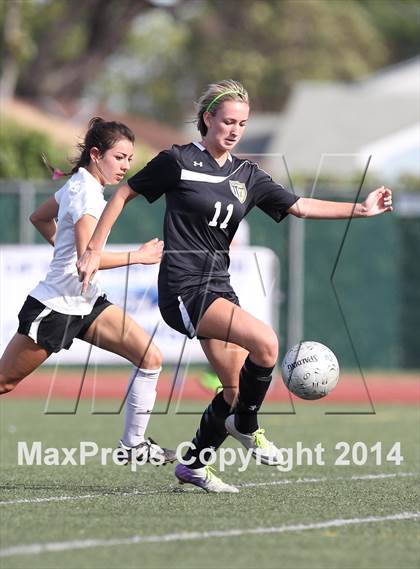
(110, 516)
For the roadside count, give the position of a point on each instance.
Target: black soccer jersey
(205, 203)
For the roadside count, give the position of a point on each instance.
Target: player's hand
(87, 265)
(378, 201)
(150, 253)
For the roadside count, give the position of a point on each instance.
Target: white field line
(37, 548)
(79, 497)
(326, 479)
(244, 485)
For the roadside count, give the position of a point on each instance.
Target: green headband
(231, 91)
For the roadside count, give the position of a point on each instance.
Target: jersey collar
(202, 148)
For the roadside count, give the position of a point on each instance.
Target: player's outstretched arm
(43, 218)
(89, 262)
(377, 202)
(148, 254)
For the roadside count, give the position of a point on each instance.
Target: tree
(398, 21)
(13, 49)
(270, 44)
(148, 75)
(154, 56)
(71, 41)
(266, 44)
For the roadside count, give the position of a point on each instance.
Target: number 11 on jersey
(218, 209)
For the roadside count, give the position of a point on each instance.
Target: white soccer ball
(310, 370)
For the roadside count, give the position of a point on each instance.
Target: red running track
(383, 388)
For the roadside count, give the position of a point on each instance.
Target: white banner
(254, 276)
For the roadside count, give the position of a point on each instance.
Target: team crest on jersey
(238, 189)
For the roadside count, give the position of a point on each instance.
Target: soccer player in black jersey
(208, 191)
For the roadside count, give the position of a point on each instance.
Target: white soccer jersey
(61, 288)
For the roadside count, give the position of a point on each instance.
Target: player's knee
(268, 349)
(153, 358)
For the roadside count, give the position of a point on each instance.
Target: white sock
(139, 404)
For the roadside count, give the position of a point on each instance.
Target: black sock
(211, 432)
(254, 381)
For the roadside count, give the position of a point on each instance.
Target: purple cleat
(203, 478)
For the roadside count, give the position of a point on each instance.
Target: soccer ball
(310, 370)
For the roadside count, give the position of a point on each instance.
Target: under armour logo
(198, 164)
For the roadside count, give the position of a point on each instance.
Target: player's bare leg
(233, 333)
(225, 321)
(21, 357)
(117, 332)
(226, 360)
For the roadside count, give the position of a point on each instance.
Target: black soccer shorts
(53, 330)
(185, 311)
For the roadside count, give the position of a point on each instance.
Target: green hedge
(20, 152)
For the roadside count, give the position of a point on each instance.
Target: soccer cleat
(263, 450)
(203, 478)
(146, 451)
(158, 453)
(125, 453)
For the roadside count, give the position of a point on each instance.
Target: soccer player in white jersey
(208, 191)
(56, 311)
